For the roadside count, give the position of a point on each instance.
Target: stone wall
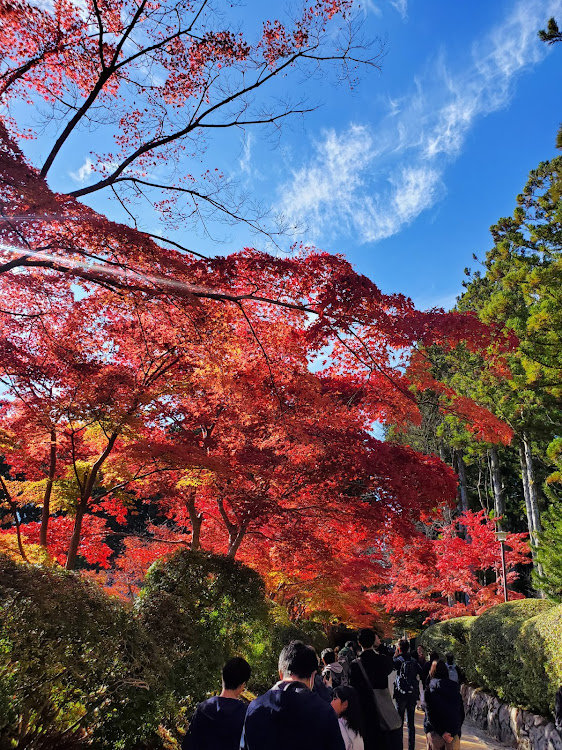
(512, 726)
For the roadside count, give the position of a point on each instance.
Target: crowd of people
(343, 702)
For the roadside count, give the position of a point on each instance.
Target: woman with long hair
(444, 710)
(345, 703)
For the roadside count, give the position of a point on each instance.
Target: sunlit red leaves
(447, 574)
(164, 366)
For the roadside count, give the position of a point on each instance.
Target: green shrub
(278, 632)
(498, 662)
(452, 636)
(539, 650)
(75, 667)
(204, 609)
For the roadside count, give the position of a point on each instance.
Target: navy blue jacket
(444, 707)
(216, 725)
(291, 716)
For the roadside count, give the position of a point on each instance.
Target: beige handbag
(389, 718)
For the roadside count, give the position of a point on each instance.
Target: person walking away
(444, 712)
(422, 661)
(333, 672)
(290, 715)
(218, 721)
(455, 672)
(348, 709)
(348, 652)
(369, 673)
(434, 656)
(406, 690)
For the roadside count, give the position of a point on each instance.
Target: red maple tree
(140, 374)
(451, 568)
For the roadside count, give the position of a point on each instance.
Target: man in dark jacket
(290, 715)
(217, 722)
(406, 689)
(377, 663)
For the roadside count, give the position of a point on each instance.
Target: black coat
(378, 666)
(291, 716)
(444, 707)
(216, 725)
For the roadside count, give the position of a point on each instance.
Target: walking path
(472, 738)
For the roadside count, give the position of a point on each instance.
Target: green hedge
(278, 633)
(75, 667)
(513, 649)
(452, 636)
(493, 651)
(539, 650)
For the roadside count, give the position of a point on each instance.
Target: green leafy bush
(278, 632)
(498, 661)
(75, 667)
(452, 636)
(539, 651)
(203, 609)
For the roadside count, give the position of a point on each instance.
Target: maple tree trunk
(495, 471)
(76, 532)
(14, 510)
(45, 513)
(234, 542)
(196, 520)
(89, 482)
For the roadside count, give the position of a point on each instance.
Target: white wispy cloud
(245, 161)
(401, 6)
(369, 6)
(373, 180)
(84, 172)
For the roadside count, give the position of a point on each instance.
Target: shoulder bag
(389, 719)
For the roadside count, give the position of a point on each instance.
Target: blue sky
(404, 174)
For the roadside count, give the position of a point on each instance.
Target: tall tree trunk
(525, 483)
(463, 488)
(497, 485)
(48, 490)
(531, 498)
(533, 488)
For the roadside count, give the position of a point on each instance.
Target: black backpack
(407, 678)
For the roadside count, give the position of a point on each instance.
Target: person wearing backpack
(455, 672)
(406, 688)
(333, 672)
